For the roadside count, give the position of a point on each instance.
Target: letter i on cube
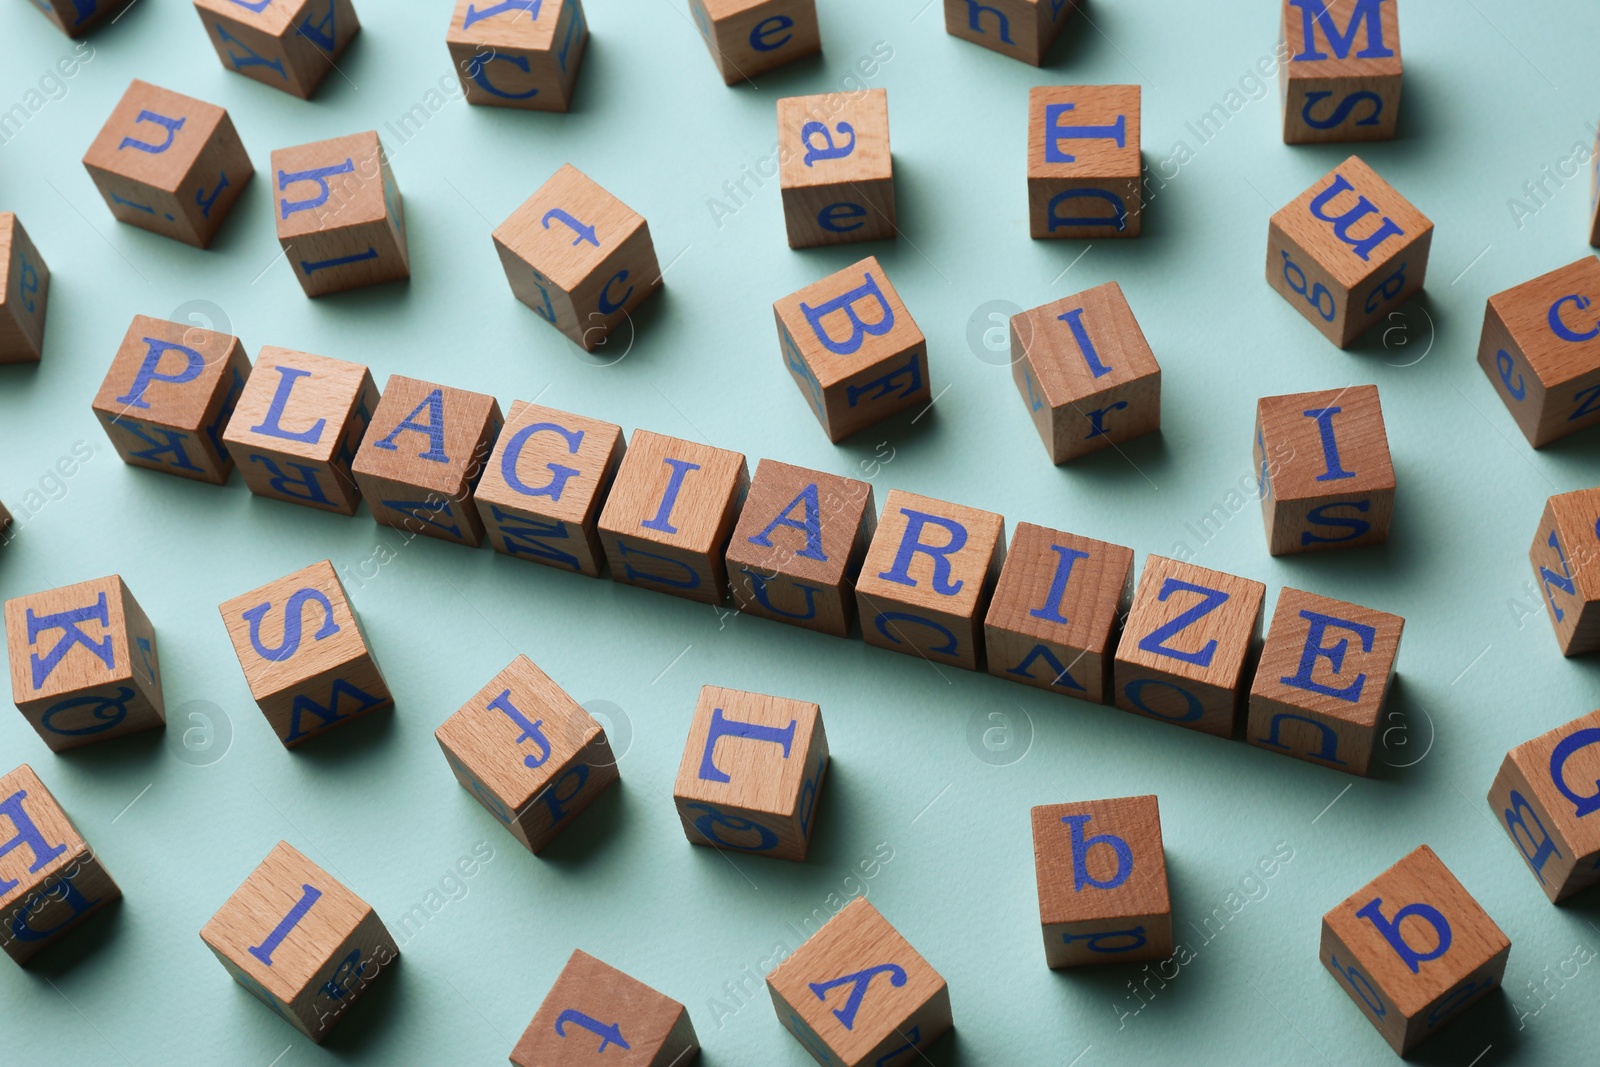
(1341, 80)
(1084, 167)
(1544, 798)
(340, 218)
(593, 1008)
(518, 53)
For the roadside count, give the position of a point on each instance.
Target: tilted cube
(339, 215)
(24, 294)
(1541, 350)
(518, 53)
(1566, 568)
(290, 45)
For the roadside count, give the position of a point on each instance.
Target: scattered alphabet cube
(1341, 80)
(928, 577)
(670, 514)
(169, 163)
(798, 547)
(1054, 618)
(1189, 638)
(304, 654)
(518, 53)
(296, 427)
(1324, 676)
(1021, 29)
(288, 44)
(1347, 251)
(170, 391)
(857, 994)
(1084, 168)
(579, 257)
(50, 877)
(528, 753)
(1541, 351)
(77, 17)
(1566, 568)
(340, 218)
(835, 170)
(1086, 372)
(853, 349)
(302, 943)
(1409, 978)
(1335, 486)
(24, 292)
(591, 1002)
(1543, 798)
(84, 666)
(750, 37)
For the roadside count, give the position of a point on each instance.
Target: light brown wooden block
(300, 941)
(297, 425)
(597, 1014)
(751, 773)
(1334, 485)
(24, 292)
(1412, 949)
(1021, 29)
(1543, 798)
(340, 217)
(541, 492)
(928, 576)
(857, 994)
(300, 644)
(170, 391)
(422, 455)
(1056, 611)
(750, 37)
(1541, 350)
(853, 349)
(1102, 873)
(287, 44)
(518, 53)
(77, 17)
(50, 878)
(169, 163)
(579, 257)
(84, 665)
(1083, 161)
(528, 753)
(1341, 81)
(1085, 372)
(1347, 251)
(1323, 678)
(835, 171)
(670, 514)
(798, 547)
(1566, 566)
(1188, 644)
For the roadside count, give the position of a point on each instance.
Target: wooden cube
(169, 163)
(1541, 351)
(528, 753)
(1341, 81)
(1333, 486)
(670, 514)
(541, 492)
(798, 547)
(1187, 645)
(1543, 796)
(757, 791)
(50, 877)
(579, 257)
(301, 942)
(750, 37)
(170, 391)
(340, 218)
(1084, 168)
(297, 425)
(24, 292)
(1408, 978)
(1347, 251)
(853, 349)
(1566, 566)
(856, 993)
(1102, 874)
(1056, 611)
(304, 654)
(1021, 29)
(1085, 372)
(84, 666)
(927, 578)
(835, 171)
(77, 17)
(1324, 676)
(287, 44)
(593, 1008)
(422, 456)
(518, 53)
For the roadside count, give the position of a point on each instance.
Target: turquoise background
(922, 768)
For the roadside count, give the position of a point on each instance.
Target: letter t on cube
(1084, 168)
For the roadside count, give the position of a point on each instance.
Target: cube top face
(428, 436)
(1329, 657)
(293, 629)
(568, 228)
(834, 138)
(167, 373)
(552, 462)
(297, 404)
(1083, 345)
(330, 185)
(519, 24)
(801, 523)
(1083, 131)
(65, 640)
(1192, 622)
(637, 1020)
(1342, 38)
(1036, 594)
(1554, 821)
(154, 136)
(847, 322)
(1336, 440)
(1553, 389)
(1099, 859)
(674, 492)
(42, 841)
(748, 751)
(937, 555)
(1352, 222)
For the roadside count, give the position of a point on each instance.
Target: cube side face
(1540, 800)
(1541, 351)
(836, 174)
(339, 214)
(519, 55)
(1084, 164)
(1566, 568)
(1102, 879)
(641, 1027)
(750, 37)
(1021, 29)
(24, 294)
(1342, 77)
